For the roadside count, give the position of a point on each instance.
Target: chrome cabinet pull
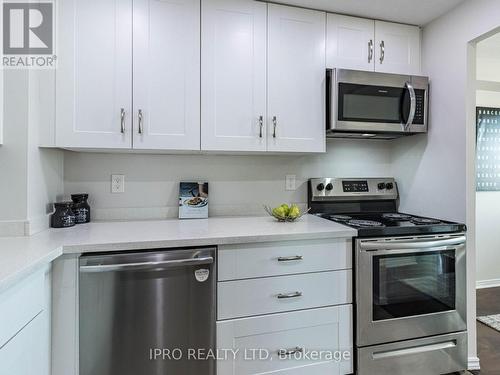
(122, 120)
(289, 295)
(140, 118)
(382, 51)
(261, 125)
(290, 258)
(275, 124)
(370, 50)
(289, 352)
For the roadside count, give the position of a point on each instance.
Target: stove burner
(396, 216)
(340, 217)
(424, 221)
(365, 223)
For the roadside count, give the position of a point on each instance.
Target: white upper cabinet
(362, 44)
(296, 79)
(397, 48)
(94, 75)
(233, 55)
(166, 86)
(350, 42)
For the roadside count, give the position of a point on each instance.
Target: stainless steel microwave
(375, 105)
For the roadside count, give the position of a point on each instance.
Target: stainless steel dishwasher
(146, 312)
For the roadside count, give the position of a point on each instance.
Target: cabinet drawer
(28, 352)
(285, 293)
(20, 304)
(284, 258)
(327, 329)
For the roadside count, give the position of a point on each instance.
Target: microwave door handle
(413, 106)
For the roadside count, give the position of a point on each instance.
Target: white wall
(13, 157)
(239, 184)
(30, 177)
(438, 172)
(45, 166)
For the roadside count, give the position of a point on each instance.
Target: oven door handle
(401, 245)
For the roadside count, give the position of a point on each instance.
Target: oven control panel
(342, 189)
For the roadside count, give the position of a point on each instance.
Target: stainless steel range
(410, 288)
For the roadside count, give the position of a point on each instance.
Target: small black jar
(63, 217)
(81, 208)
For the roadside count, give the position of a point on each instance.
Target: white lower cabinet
(247, 261)
(285, 293)
(25, 327)
(285, 308)
(27, 353)
(317, 341)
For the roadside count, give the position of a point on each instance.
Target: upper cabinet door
(397, 48)
(233, 55)
(350, 42)
(94, 75)
(167, 74)
(296, 79)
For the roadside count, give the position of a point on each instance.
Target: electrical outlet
(118, 183)
(290, 182)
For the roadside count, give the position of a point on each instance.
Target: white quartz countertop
(19, 256)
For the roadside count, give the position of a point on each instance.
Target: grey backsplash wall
(238, 184)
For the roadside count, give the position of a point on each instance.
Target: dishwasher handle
(148, 265)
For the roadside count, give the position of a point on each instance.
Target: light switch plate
(290, 182)
(118, 183)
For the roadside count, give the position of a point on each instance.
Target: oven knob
(381, 186)
(320, 187)
(389, 185)
(329, 187)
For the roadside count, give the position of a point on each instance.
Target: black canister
(81, 208)
(63, 216)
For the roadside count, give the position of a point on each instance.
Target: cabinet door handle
(382, 51)
(140, 121)
(275, 124)
(370, 50)
(289, 352)
(261, 125)
(122, 120)
(289, 295)
(290, 258)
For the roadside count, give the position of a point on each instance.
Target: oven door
(370, 102)
(409, 287)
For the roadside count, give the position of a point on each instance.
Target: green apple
(280, 212)
(294, 211)
(285, 209)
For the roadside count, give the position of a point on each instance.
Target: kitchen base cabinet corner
(25, 342)
(317, 341)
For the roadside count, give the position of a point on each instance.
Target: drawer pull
(289, 295)
(290, 258)
(289, 352)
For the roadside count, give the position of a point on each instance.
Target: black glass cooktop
(393, 224)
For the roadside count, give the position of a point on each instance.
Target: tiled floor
(488, 340)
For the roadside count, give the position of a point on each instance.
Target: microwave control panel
(420, 107)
